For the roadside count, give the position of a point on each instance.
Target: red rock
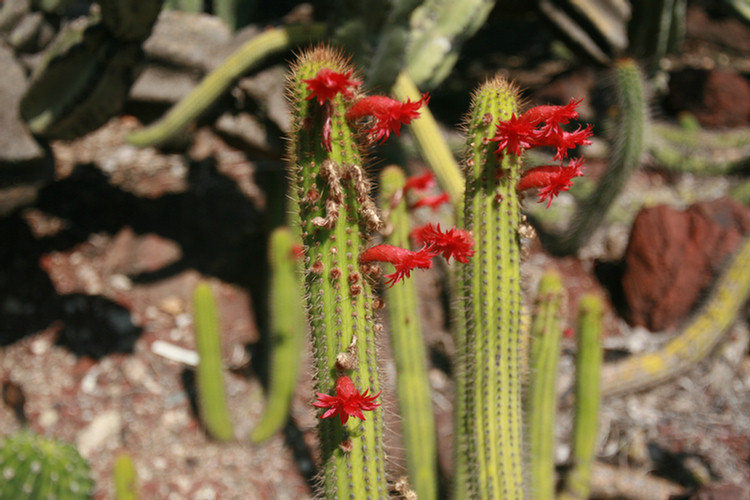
(721, 491)
(717, 98)
(673, 257)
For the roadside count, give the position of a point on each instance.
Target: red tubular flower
(348, 402)
(551, 179)
(456, 243)
(389, 114)
(514, 134)
(432, 201)
(419, 182)
(542, 126)
(328, 83)
(403, 260)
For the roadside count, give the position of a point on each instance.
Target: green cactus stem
(431, 143)
(703, 152)
(695, 341)
(288, 328)
(414, 394)
(34, 467)
(210, 380)
(125, 478)
(335, 215)
(211, 87)
(588, 398)
(489, 429)
(541, 396)
(628, 142)
(438, 29)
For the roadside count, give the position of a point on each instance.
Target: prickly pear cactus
(34, 467)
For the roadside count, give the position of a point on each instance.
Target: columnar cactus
(489, 431)
(541, 395)
(212, 398)
(288, 328)
(414, 394)
(489, 406)
(36, 468)
(336, 214)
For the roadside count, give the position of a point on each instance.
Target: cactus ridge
(34, 467)
(335, 214)
(491, 349)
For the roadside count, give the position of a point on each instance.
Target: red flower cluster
(348, 401)
(328, 83)
(456, 243)
(433, 201)
(551, 179)
(542, 126)
(389, 114)
(419, 182)
(403, 260)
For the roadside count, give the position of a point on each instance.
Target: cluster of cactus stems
(333, 123)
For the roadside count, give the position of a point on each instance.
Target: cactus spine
(211, 395)
(288, 327)
(588, 398)
(37, 468)
(335, 213)
(541, 399)
(489, 406)
(414, 392)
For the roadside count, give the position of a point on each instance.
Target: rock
(23, 163)
(673, 257)
(104, 428)
(189, 40)
(162, 84)
(131, 254)
(721, 491)
(717, 98)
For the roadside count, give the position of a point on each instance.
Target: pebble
(105, 428)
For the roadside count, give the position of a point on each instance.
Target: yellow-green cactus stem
(212, 398)
(489, 427)
(588, 398)
(34, 467)
(696, 340)
(125, 477)
(211, 87)
(414, 394)
(541, 395)
(335, 215)
(431, 143)
(288, 327)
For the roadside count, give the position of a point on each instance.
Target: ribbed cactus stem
(541, 399)
(125, 478)
(212, 398)
(335, 214)
(288, 328)
(628, 144)
(414, 394)
(34, 467)
(489, 406)
(588, 398)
